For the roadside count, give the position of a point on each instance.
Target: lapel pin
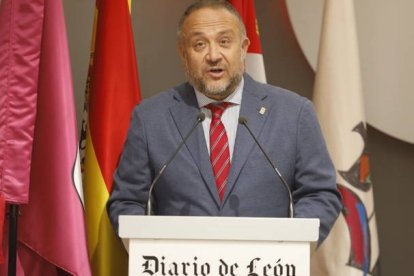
(262, 110)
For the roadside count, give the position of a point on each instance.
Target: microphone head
(201, 116)
(242, 120)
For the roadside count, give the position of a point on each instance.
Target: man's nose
(214, 54)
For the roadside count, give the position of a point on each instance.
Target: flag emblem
(354, 209)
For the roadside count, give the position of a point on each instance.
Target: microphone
(243, 121)
(148, 209)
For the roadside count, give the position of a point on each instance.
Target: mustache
(214, 63)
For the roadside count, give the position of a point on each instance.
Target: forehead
(209, 21)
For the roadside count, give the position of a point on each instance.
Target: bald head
(213, 4)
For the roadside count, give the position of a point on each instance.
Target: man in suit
(221, 171)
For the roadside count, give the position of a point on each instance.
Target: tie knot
(217, 109)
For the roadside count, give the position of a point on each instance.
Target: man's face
(213, 51)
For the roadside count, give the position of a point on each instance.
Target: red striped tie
(219, 147)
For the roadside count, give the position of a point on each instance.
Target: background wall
(386, 42)
(392, 160)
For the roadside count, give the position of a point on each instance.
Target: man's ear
(182, 54)
(245, 45)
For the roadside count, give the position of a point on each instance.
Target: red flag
(112, 93)
(254, 59)
(51, 231)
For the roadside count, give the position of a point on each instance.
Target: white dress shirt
(230, 117)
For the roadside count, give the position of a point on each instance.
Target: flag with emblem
(351, 249)
(111, 93)
(254, 59)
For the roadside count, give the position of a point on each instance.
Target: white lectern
(218, 246)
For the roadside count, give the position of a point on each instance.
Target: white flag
(352, 246)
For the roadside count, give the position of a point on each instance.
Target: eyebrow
(198, 33)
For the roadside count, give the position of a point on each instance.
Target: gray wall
(392, 161)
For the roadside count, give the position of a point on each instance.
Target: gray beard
(213, 91)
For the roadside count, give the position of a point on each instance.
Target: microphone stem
(291, 212)
(148, 209)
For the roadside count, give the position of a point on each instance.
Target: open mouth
(216, 72)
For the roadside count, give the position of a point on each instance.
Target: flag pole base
(12, 257)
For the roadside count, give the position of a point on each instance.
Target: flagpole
(13, 213)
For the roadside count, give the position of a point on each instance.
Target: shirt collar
(234, 98)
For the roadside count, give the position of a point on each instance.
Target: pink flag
(51, 231)
(20, 36)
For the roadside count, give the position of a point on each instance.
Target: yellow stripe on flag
(101, 236)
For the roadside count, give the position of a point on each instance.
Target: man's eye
(225, 42)
(199, 45)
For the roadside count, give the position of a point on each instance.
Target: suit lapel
(255, 109)
(184, 114)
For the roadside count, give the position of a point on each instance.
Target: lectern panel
(218, 258)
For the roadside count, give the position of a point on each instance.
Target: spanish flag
(111, 93)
